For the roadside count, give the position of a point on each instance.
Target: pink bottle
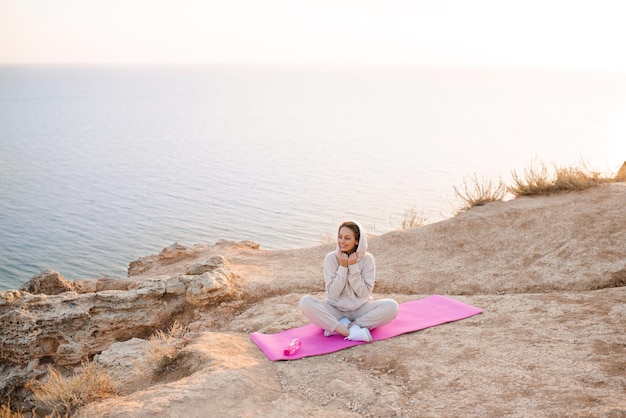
(292, 347)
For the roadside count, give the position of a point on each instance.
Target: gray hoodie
(348, 288)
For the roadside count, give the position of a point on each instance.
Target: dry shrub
(63, 395)
(535, 180)
(572, 178)
(538, 179)
(329, 238)
(5, 411)
(479, 193)
(412, 219)
(163, 348)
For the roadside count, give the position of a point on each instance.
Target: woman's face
(345, 239)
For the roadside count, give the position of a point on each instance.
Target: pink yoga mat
(412, 316)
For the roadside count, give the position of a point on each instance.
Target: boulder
(210, 287)
(207, 265)
(48, 282)
(174, 251)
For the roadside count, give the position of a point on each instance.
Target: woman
(349, 273)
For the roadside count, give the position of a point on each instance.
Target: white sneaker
(343, 321)
(359, 334)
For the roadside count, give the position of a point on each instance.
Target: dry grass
(63, 395)
(5, 411)
(329, 238)
(535, 180)
(480, 192)
(538, 179)
(412, 219)
(163, 348)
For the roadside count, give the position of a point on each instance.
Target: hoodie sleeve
(361, 276)
(335, 276)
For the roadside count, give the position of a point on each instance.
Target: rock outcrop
(48, 282)
(53, 321)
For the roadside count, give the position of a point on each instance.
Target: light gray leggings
(372, 314)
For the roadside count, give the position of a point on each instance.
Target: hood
(362, 247)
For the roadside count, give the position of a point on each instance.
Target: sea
(101, 165)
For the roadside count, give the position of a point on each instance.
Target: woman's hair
(354, 227)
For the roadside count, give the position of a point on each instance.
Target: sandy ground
(549, 273)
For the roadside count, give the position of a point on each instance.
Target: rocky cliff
(548, 271)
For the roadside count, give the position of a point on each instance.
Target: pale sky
(568, 34)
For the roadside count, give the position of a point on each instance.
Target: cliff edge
(548, 271)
